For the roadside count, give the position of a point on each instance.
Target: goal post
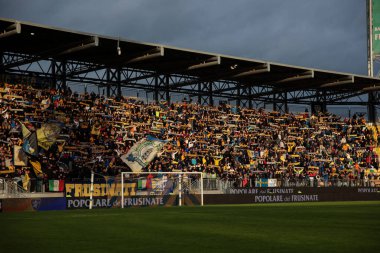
(180, 187)
(106, 190)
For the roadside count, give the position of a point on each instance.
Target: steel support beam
(2, 72)
(55, 52)
(119, 93)
(280, 102)
(199, 93)
(319, 105)
(265, 68)
(210, 94)
(58, 72)
(250, 104)
(161, 88)
(11, 30)
(213, 61)
(167, 88)
(243, 97)
(205, 93)
(89, 43)
(298, 77)
(371, 108)
(342, 81)
(113, 82)
(206, 90)
(61, 84)
(238, 100)
(155, 94)
(274, 82)
(154, 53)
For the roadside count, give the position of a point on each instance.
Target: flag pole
(369, 38)
(91, 189)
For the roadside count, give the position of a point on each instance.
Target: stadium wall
(305, 194)
(32, 204)
(235, 196)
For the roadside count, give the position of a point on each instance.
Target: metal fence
(9, 187)
(224, 185)
(14, 187)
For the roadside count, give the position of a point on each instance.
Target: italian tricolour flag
(56, 185)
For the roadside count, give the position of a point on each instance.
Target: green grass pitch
(301, 227)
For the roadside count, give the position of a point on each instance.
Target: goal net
(161, 189)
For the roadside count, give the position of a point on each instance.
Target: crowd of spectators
(230, 143)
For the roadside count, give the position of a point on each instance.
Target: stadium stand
(62, 135)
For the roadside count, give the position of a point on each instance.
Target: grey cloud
(328, 34)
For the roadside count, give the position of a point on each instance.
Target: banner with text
(376, 27)
(77, 190)
(129, 201)
(305, 194)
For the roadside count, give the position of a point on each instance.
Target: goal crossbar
(164, 173)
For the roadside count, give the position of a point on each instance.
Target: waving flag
(25, 131)
(19, 156)
(36, 165)
(142, 153)
(30, 145)
(47, 134)
(56, 185)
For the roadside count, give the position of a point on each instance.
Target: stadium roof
(43, 42)
(114, 63)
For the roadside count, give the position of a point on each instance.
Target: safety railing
(10, 188)
(310, 182)
(14, 187)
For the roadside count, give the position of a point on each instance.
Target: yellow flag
(36, 165)
(47, 135)
(10, 167)
(25, 182)
(25, 131)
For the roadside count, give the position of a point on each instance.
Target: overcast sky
(326, 34)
